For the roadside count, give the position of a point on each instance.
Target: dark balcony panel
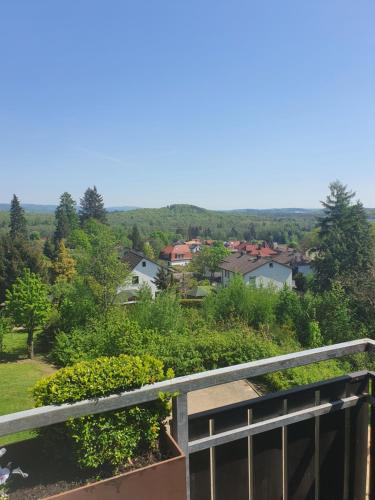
(358, 451)
(332, 452)
(267, 468)
(231, 471)
(200, 483)
(300, 460)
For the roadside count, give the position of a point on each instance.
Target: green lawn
(17, 377)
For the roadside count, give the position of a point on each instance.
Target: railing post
(180, 431)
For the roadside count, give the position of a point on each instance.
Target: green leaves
(28, 304)
(113, 437)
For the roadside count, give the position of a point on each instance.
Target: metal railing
(48, 415)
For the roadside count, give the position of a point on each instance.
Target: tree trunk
(30, 344)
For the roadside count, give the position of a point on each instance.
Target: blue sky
(223, 104)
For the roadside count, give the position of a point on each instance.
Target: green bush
(112, 438)
(255, 306)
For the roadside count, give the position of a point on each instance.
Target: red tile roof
(170, 252)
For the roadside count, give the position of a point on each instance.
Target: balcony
(310, 442)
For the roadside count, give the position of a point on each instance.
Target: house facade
(143, 271)
(256, 271)
(177, 255)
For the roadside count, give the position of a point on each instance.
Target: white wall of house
(269, 274)
(144, 272)
(179, 262)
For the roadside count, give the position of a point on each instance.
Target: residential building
(258, 271)
(179, 254)
(143, 271)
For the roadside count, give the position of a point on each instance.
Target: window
(226, 274)
(135, 280)
(143, 263)
(270, 264)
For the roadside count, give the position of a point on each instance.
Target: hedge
(112, 438)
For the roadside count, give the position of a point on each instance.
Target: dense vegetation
(68, 295)
(187, 221)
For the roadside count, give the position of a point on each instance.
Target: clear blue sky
(219, 103)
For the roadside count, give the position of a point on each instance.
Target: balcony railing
(312, 439)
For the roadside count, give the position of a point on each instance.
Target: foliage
(135, 237)
(92, 207)
(66, 217)
(209, 258)
(16, 255)
(238, 300)
(114, 437)
(148, 251)
(28, 304)
(345, 242)
(99, 265)
(163, 279)
(64, 266)
(17, 224)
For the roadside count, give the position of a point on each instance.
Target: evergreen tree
(66, 217)
(16, 254)
(49, 249)
(135, 237)
(92, 207)
(17, 225)
(345, 244)
(163, 279)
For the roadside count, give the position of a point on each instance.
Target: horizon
(261, 105)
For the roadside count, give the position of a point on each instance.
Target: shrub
(111, 438)
(255, 306)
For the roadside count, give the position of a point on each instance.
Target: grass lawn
(18, 375)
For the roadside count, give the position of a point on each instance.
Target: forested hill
(189, 221)
(184, 221)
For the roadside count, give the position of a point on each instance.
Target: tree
(148, 250)
(17, 224)
(15, 255)
(66, 217)
(135, 237)
(92, 207)
(99, 264)
(28, 304)
(64, 265)
(49, 249)
(163, 279)
(345, 244)
(209, 258)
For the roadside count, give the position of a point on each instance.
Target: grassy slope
(17, 377)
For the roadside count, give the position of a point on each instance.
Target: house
(259, 271)
(177, 255)
(143, 271)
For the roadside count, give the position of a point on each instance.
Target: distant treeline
(187, 221)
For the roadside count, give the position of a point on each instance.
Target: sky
(218, 103)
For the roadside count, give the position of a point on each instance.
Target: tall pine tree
(135, 237)
(345, 244)
(17, 224)
(66, 217)
(92, 207)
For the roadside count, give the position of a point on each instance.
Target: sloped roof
(133, 258)
(244, 263)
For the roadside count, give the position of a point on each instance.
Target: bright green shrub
(254, 306)
(111, 438)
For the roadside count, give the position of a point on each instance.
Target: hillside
(283, 225)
